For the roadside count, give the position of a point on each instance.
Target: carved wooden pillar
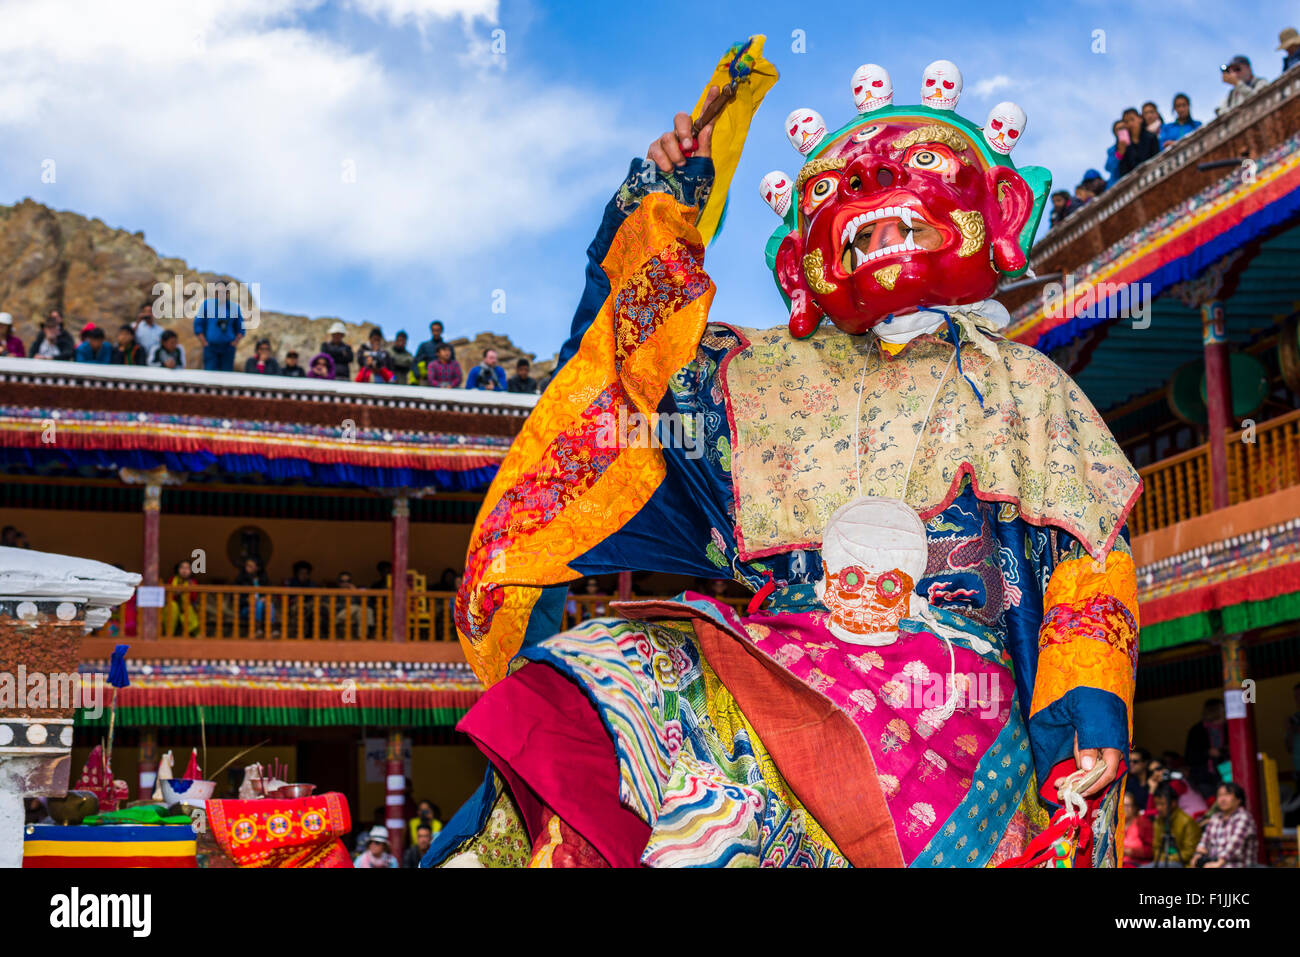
(148, 615)
(395, 800)
(1239, 713)
(401, 553)
(1218, 396)
(153, 480)
(148, 763)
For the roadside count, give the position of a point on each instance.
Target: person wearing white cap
(10, 345)
(376, 853)
(339, 351)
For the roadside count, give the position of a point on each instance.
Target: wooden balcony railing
(272, 613)
(1268, 464)
(319, 614)
(1261, 460)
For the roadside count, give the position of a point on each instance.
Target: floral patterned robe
(695, 736)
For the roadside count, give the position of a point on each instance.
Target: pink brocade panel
(925, 763)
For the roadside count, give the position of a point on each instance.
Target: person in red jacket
(373, 369)
(1138, 833)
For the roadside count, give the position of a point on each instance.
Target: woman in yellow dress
(180, 604)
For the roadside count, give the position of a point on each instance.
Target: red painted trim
(1257, 586)
(112, 441)
(1178, 247)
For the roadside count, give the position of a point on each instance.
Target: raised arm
(675, 163)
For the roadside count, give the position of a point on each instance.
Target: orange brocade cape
(564, 487)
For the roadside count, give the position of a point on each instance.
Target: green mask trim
(1038, 178)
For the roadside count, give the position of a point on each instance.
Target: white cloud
(233, 125)
(991, 85)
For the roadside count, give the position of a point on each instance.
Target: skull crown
(941, 87)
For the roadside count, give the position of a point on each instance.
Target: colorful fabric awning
(1252, 582)
(346, 454)
(300, 695)
(1176, 246)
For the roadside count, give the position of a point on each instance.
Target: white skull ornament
(806, 130)
(776, 188)
(1003, 127)
(872, 87)
(941, 85)
(873, 552)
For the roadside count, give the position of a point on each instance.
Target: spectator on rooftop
(1062, 206)
(95, 349)
(1142, 143)
(428, 350)
(1116, 151)
(128, 352)
(1289, 43)
(1152, 119)
(219, 324)
(374, 345)
(86, 331)
(322, 366)
(10, 345)
(1083, 195)
(291, 367)
(1238, 74)
(53, 342)
(169, 353)
(147, 331)
(1182, 123)
(262, 363)
(1094, 181)
(521, 381)
(444, 371)
(400, 360)
(339, 351)
(373, 367)
(487, 375)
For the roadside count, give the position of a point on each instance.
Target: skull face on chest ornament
(873, 552)
(902, 207)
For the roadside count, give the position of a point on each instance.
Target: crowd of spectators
(1185, 810)
(1140, 134)
(219, 327)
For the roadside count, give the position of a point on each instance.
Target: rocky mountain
(92, 272)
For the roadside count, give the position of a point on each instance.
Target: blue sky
(378, 160)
